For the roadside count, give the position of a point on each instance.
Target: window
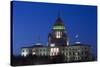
(25, 52)
(45, 53)
(58, 34)
(42, 53)
(54, 51)
(33, 53)
(57, 50)
(44, 49)
(52, 45)
(65, 53)
(71, 53)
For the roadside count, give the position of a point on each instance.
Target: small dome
(38, 45)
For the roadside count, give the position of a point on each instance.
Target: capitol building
(58, 45)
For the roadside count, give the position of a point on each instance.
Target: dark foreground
(34, 60)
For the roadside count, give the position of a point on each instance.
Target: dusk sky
(32, 20)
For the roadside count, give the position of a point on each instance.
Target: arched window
(25, 52)
(58, 34)
(54, 51)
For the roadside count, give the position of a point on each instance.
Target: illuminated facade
(58, 45)
(58, 35)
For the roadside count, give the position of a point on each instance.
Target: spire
(59, 20)
(58, 13)
(59, 25)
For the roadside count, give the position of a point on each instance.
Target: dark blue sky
(31, 20)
